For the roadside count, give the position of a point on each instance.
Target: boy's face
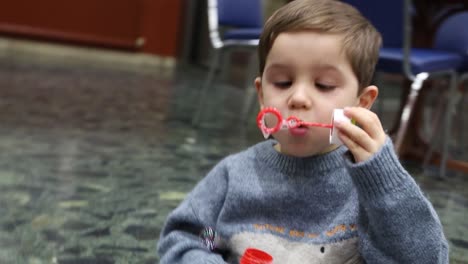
(308, 75)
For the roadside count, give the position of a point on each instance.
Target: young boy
(297, 197)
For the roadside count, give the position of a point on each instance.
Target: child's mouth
(299, 131)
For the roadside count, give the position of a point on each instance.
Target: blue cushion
(386, 16)
(452, 36)
(251, 33)
(422, 60)
(240, 13)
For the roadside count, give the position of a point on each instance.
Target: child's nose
(300, 97)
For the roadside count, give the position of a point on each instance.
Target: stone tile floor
(96, 154)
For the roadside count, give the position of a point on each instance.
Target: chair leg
(434, 130)
(448, 123)
(225, 68)
(462, 121)
(461, 105)
(215, 61)
(458, 112)
(408, 109)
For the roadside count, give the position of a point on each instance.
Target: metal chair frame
(418, 80)
(220, 46)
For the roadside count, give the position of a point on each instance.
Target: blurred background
(111, 111)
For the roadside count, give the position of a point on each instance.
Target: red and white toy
(294, 122)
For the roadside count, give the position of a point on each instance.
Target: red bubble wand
(294, 122)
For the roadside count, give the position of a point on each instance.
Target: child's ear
(367, 97)
(258, 87)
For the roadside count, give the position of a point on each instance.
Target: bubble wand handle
(303, 123)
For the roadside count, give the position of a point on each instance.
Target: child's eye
(325, 87)
(283, 84)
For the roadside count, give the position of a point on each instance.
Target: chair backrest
(240, 13)
(452, 34)
(388, 16)
(232, 13)
(392, 18)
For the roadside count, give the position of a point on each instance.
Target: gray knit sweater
(320, 209)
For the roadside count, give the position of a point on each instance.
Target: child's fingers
(366, 138)
(359, 153)
(368, 121)
(357, 135)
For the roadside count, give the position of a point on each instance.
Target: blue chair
(452, 36)
(393, 20)
(232, 24)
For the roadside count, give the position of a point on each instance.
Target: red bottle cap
(256, 256)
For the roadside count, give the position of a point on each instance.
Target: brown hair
(361, 41)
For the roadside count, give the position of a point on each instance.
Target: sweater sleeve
(179, 241)
(397, 224)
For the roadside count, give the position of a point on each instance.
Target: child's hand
(364, 139)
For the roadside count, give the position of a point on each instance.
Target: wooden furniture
(151, 26)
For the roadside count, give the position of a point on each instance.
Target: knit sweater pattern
(318, 209)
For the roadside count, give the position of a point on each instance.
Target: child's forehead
(321, 48)
(309, 35)
(320, 67)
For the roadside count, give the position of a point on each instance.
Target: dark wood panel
(162, 26)
(113, 22)
(151, 26)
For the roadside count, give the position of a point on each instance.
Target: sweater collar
(291, 165)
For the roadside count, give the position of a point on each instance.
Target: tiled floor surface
(95, 154)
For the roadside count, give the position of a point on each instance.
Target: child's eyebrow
(328, 67)
(279, 66)
(321, 68)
